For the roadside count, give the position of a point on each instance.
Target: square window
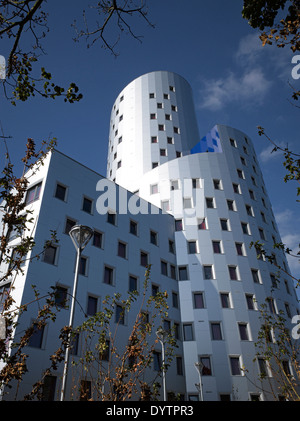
(165, 205)
(208, 272)
(198, 300)
(188, 334)
(179, 366)
(261, 234)
(170, 140)
(153, 237)
(154, 189)
(33, 193)
(202, 224)
(225, 301)
(236, 188)
(224, 224)
(239, 249)
(172, 88)
(217, 184)
(166, 96)
(97, 239)
(60, 192)
(249, 210)
(168, 117)
(262, 364)
(36, 339)
(120, 315)
(217, 247)
(48, 388)
(245, 228)
(233, 143)
(70, 223)
(161, 127)
(108, 275)
(230, 205)
(206, 366)
(154, 139)
(119, 164)
(210, 202)
(154, 165)
(82, 266)
(251, 194)
(92, 305)
(240, 173)
(174, 185)
(133, 227)
(143, 258)
(187, 203)
(153, 116)
(50, 254)
(235, 366)
(85, 390)
(154, 289)
(152, 95)
(171, 247)
(157, 361)
(163, 152)
(176, 130)
(178, 225)
(233, 273)
(122, 249)
(111, 218)
(173, 272)
(243, 329)
(183, 273)
(133, 283)
(250, 301)
(255, 276)
(87, 205)
(174, 108)
(60, 296)
(164, 268)
(216, 332)
(192, 247)
(159, 105)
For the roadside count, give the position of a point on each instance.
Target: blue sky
(235, 81)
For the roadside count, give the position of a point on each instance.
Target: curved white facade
(215, 190)
(152, 121)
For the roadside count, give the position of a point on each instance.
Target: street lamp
(80, 235)
(199, 367)
(162, 337)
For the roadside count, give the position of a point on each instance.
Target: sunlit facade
(188, 205)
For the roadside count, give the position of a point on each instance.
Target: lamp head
(80, 235)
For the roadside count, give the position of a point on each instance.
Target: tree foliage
(278, 354)
(26, 21)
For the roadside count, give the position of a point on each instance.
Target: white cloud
(266, 154)
(245, 89)
(250, 47)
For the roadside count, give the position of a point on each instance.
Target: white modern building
(214, 188)
(187, 205)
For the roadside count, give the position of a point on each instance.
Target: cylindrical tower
(152, 121)
(214, 188)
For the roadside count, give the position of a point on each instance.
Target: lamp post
(162, 337)
(80, 235)
(199, 367)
